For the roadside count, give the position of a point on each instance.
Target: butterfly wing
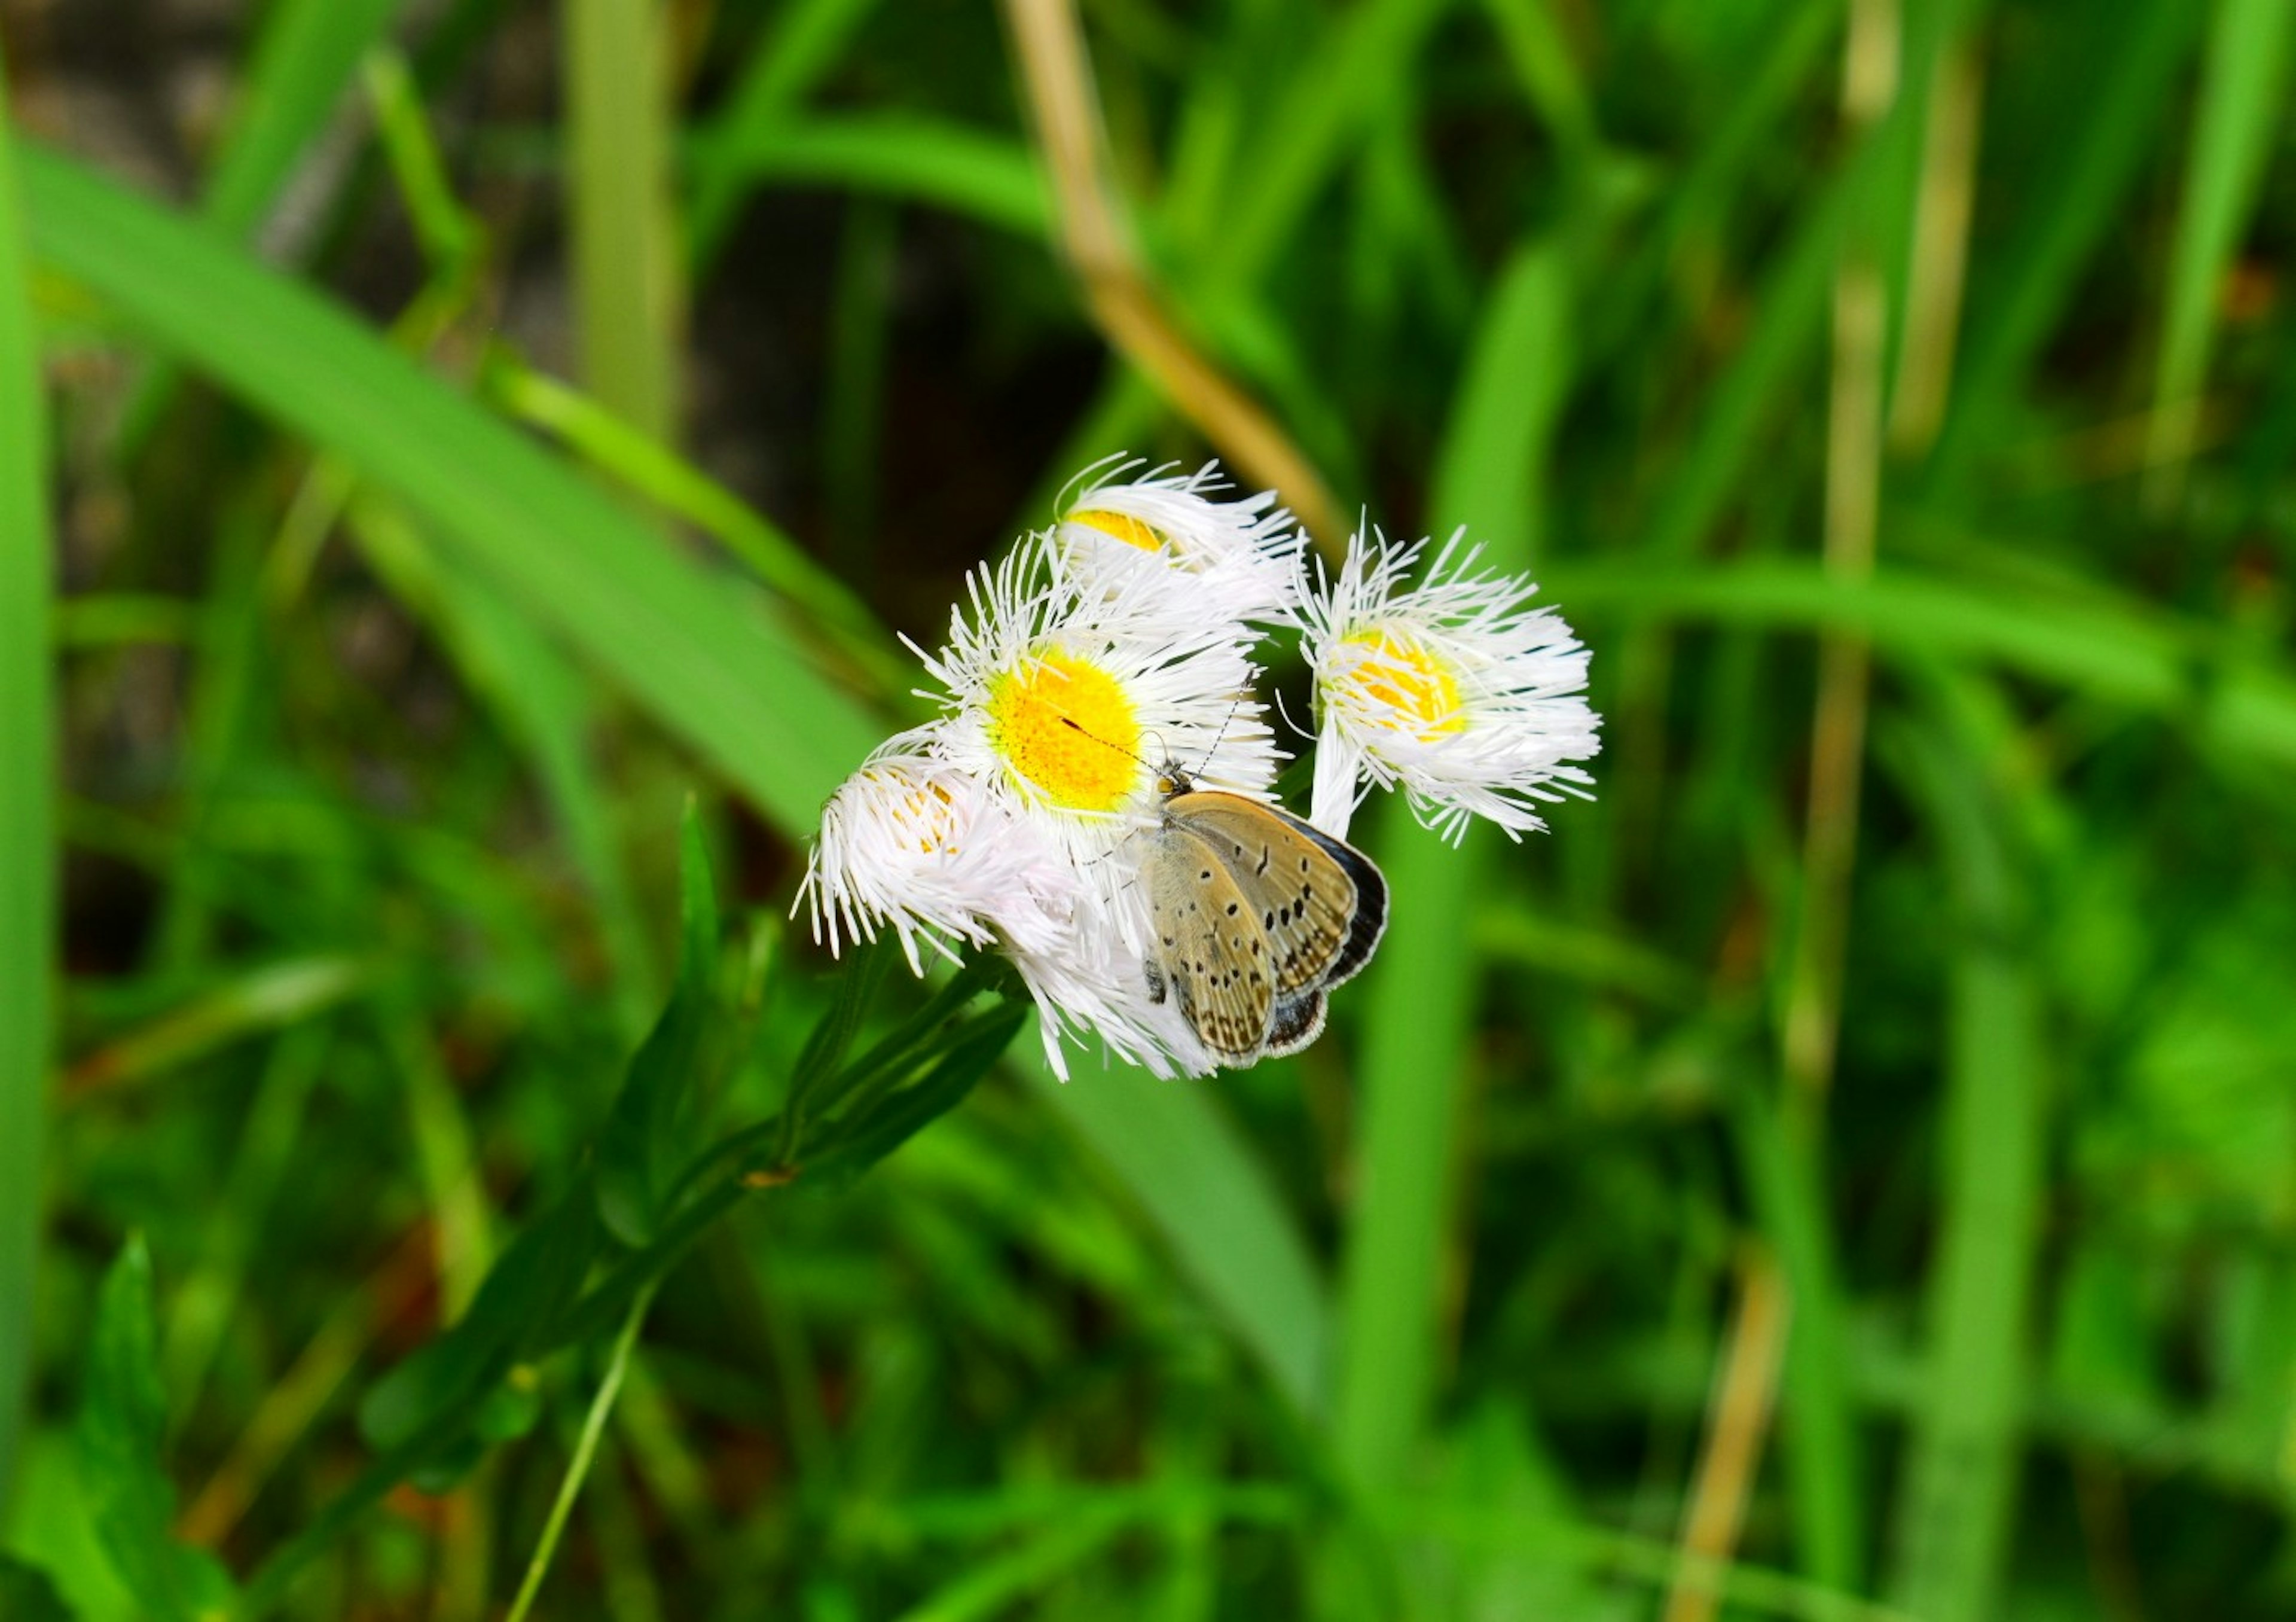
(1321, 902)
(1294, 1022)
(1211, 953)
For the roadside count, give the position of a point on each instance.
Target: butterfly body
(1255, 915)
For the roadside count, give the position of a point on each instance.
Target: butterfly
(1255, 915)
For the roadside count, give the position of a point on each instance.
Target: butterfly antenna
(1220, 736)
(1107, 744)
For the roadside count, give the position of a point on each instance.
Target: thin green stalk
(1330, 96)
(805, 42)
(2112, 129)
(627, 300)
(1958, 1505)
(206, 1304)
(446, 1152)
(27, 878)
(585, 1447)
(820, 606)
(2238, 117)
(1420, 1005)
(1419, 1015)
(1822, 1454)
(303, 58)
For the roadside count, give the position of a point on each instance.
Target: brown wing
(1211, 951)
(1322, 903)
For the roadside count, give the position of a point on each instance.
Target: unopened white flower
(1066, 702)
(1243, 553)
(911, 843)
(1452, 687)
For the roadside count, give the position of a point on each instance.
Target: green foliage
(123, 1425)
(527, 430)
(28, 753)
(473, 1385)
(26, 1595)
(646, 1141)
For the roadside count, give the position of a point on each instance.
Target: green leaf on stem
(879, 1129)
(123, 1426)
(831, 1040)
(642, 1150)
(469, 1386)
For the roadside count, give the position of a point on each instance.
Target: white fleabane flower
(1104, 660)
(1092, 984)
(911, 843)
(1015, 820)
(1243, 553)
(1453, 688)
(1066, 702)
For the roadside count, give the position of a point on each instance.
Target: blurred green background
(1845, 1171)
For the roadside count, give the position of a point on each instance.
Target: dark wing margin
(1294, 1022)
(1371, 902)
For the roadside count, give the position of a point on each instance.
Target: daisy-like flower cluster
(1121, 643)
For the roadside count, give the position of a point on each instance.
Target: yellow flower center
(1070, 728)
(1416, 690)
(1124, 526)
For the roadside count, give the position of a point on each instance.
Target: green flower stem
(586, 1448)
(28, 879)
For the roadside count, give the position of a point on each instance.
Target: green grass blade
(547, 707)
(1742, 401)
(1492, 476)
(304, 61)
(1418, 1004)
(586, 1448)
(628, 311)
(276, 997)
(1823, 1449)
(821, 605)
(2239, 115)
(1418, 1007)
(994, 1584)
(1956, 1510)
(1215, 1206)
(304, 58)
(28, 835)
(1542, 59)
(450, 236)
(2116, 130)
(674, 634)
(122, 1434)
(2108, 648)
(1330, 98)
(804, 43)
(992, 178)
(1715, 174)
